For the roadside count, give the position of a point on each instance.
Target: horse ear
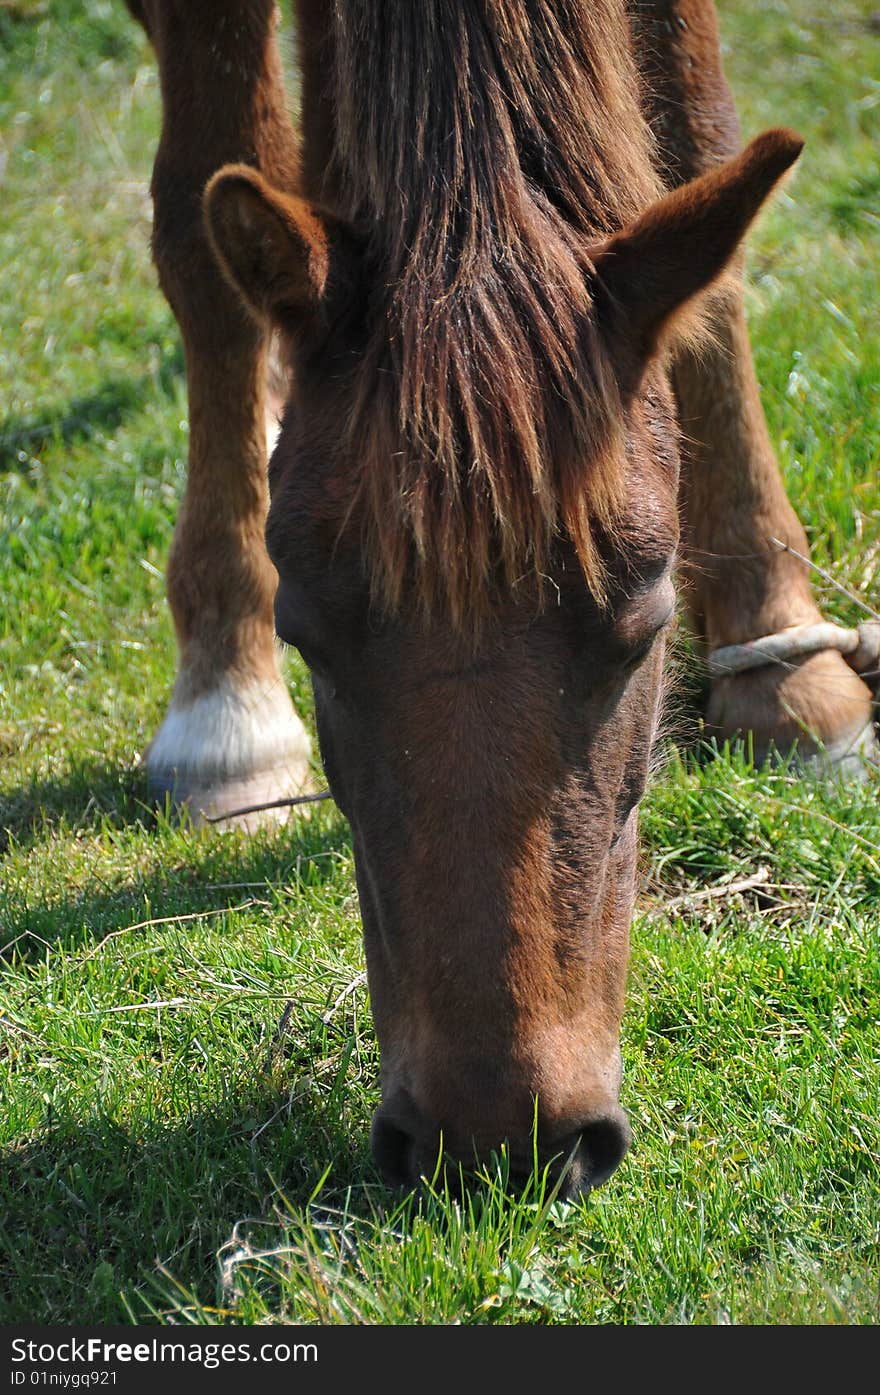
(648, 274)
(271, 246)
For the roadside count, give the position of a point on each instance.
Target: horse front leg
(738, 583)
(231, 736)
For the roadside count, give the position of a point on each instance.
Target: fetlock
(816, 707)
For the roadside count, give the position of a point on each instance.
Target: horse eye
(639, 651)
(638, 655)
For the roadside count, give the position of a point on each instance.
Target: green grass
(187, 1065)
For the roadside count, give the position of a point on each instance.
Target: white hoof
(228, 749)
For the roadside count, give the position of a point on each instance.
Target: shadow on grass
(201, 870)
(94, 1207)
(203, 886)
(21, 438)
(89, 795)
(89, 1206)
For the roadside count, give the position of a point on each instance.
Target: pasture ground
(169, 1151)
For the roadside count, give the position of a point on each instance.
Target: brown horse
(501, 258)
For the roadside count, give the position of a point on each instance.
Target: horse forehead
(323, 564)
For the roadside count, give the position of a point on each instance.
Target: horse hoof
(817, 716)
(848, 757)
(248, 803)
(230, 750)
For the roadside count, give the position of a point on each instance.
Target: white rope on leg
(860, 647)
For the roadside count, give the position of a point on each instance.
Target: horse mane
(482, 148)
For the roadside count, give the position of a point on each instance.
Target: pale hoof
(234, 803)
(846, 758)
(229, 750)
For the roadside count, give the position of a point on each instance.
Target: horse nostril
(590, 1155)
(584, 1159)
(605, 1142)
(394, 1152)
